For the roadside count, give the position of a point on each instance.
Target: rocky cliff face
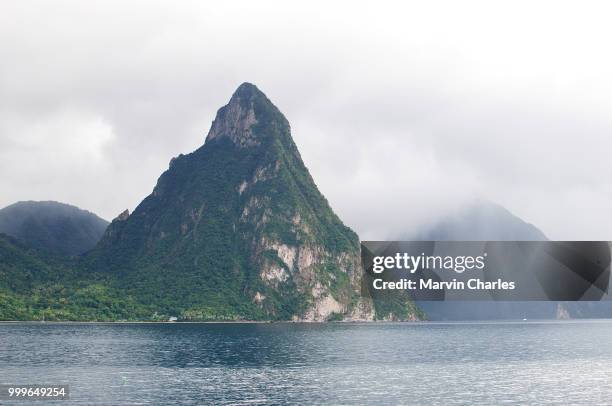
(236, 120)
(239, 230)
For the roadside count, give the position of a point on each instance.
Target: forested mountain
(38, 285)
(236, 230)
(52, 226)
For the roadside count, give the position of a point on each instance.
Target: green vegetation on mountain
(37, 285)
(51, 226)
(236, 230)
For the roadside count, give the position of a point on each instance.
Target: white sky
(401, 111)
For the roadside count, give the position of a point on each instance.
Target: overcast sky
(401, 111)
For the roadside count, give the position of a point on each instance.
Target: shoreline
(419, 322)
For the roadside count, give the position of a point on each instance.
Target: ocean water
(395, 363)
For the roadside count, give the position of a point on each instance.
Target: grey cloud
(401, 112)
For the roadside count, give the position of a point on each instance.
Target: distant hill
(52, 226)
(482, 221)
(486, 221)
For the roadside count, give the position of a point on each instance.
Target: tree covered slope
(52, 226)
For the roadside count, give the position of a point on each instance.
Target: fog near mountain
(479, 221)
(398, 108)
(52, 226)
(486, 221)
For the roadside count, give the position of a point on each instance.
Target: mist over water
(405, 363)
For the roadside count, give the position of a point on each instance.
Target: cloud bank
(402, 111)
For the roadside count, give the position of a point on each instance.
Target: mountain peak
(248, 106)
(235, 120)
(239, 228)
(246, 92)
